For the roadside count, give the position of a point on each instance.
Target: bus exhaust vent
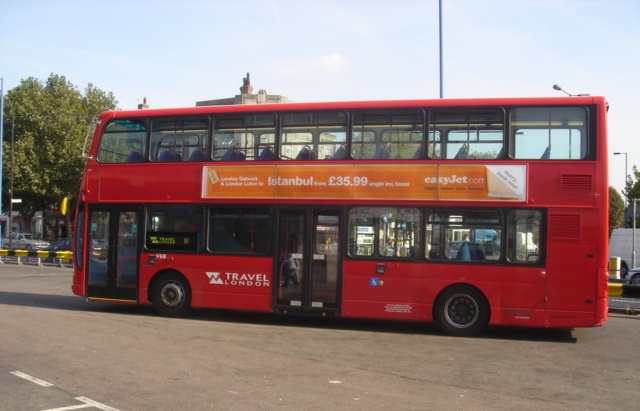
(576, 182)
(565, 226)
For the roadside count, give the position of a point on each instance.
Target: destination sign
(172, 241)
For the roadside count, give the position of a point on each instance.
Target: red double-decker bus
(464, 212)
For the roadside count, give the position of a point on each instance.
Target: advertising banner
(498, 182)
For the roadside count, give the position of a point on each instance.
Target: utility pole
(1, 140)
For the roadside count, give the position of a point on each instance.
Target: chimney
(246, 85)
(144, 104)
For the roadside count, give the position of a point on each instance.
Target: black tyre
(461, 311)
(624, 269)
(635, 279)
(171, 295)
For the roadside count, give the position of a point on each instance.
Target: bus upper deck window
(123, 141)
(549, 133)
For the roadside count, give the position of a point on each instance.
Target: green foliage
(50, 122)
(632, 190)
(616, 209)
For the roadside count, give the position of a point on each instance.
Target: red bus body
(561, 282)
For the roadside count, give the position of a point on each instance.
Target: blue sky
(178, 52)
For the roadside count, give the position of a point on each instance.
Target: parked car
(633, 276)
(63, 244)
(24, 241)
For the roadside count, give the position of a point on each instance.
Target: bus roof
(371, 104)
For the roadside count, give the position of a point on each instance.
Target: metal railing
(36, 257)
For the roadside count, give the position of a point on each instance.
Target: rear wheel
(624, 269)
(461, 311)
(171, 295)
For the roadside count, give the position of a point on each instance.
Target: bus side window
(123, 141)
(468, 134)
(535, 130)
(523, 236)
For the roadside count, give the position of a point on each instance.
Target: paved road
(58, 351)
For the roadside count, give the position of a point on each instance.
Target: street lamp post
(626, 171)
(1, 139)
(558, 88)
(440, 37)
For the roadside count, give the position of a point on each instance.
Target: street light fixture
(557, 87)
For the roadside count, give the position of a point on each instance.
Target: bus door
(112, 269)
(308, 265)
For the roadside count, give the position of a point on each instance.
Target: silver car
(23, 241)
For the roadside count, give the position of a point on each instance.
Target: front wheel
(461, 311)
(171, 295)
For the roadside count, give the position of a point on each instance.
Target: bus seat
(266, 154)
(134, 157)
(166, 155)
(546, 154)
(341, 153)
(464, 253)
(230, 154)
(382, 153)
(463, 152)
(476, 252)
(304, 154)
(419, 153)
(198, 155)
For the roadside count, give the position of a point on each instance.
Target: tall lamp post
(633, 215)
(440, 37)
(1, 139)
(626, 170)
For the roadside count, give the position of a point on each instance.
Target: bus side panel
(78, 285)
(574, 263)
(239, 283)
(112, 185)
(407, 291)
(393, 294)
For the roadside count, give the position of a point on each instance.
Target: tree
(616, 209)
(50, 124)
(632, 190)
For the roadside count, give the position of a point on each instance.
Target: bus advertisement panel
(349, 182)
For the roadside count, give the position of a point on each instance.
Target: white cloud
(329, 63)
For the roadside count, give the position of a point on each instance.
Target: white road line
(73, 407)
(87, 403)
(32, 379)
